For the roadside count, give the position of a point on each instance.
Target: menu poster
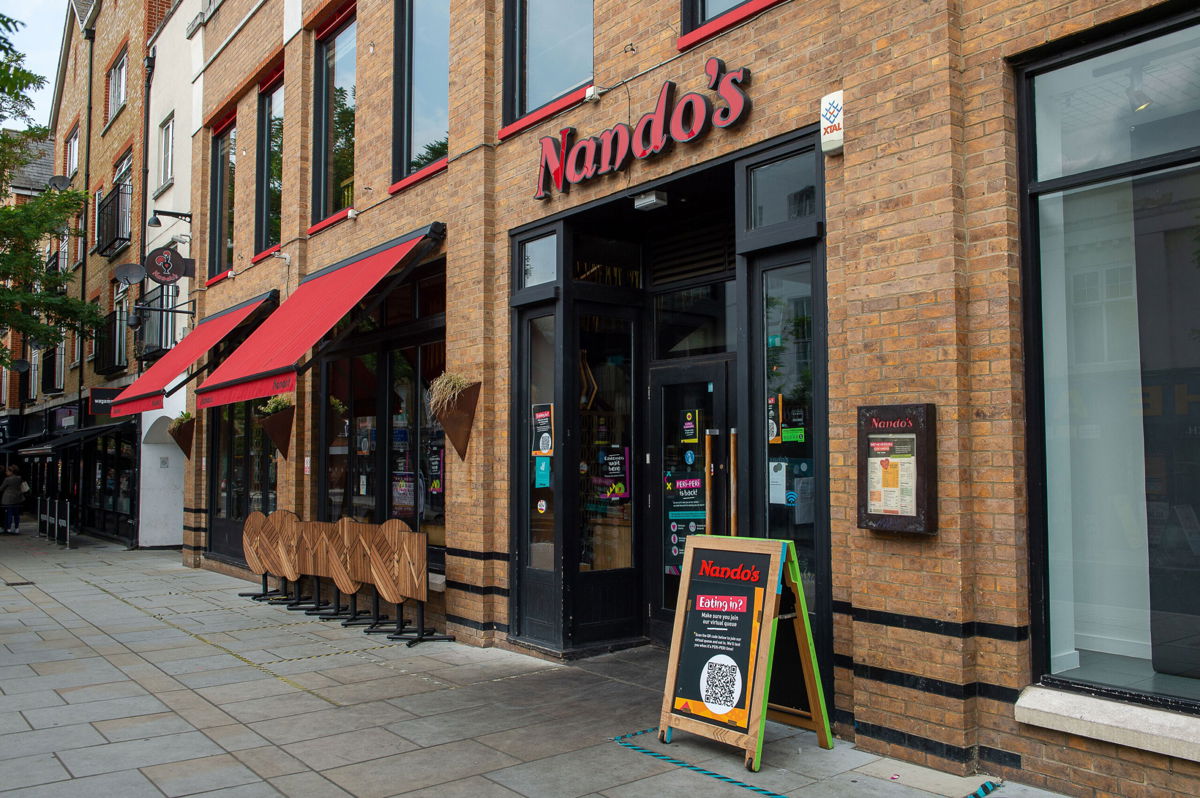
(689, 426)
(892, 474)
(897, 468)
(775, 418)
(543, 430)
(683, 512)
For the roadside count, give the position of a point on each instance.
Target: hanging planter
(276, 417)
(452, 402)
(182, 428)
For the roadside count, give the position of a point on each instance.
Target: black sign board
(166, 266)
(718, 673)
(100, 400)
(897, 468)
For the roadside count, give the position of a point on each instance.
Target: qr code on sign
(722, 683)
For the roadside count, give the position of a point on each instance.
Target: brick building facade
(739, 272)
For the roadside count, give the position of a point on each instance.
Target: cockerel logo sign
(165, 266)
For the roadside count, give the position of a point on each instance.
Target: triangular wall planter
(457, 419)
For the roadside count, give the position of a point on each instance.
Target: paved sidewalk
(125, 674)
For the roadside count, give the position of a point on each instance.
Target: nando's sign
(566, 160)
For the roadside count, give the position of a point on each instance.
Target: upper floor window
(123, 185)
(548, 51)
(333, 175)
(166, 150)
(116, 85)
(422, 83)
(72, 152)
(268, 224)
(220, 250)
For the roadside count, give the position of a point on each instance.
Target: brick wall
(922, 270)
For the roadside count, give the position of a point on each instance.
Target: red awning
(268, 362)
(146, 393)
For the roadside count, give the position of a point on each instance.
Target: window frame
(402, 100)
(322, 125)
(71, 152)
(116, 99)
(262, 203)
(123, 176)
(514, 64)
(1114, 36)
(166, 151)
(219, 260)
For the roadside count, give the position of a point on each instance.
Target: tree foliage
(34, 299)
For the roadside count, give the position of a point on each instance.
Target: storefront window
(541, 437)
(695, 321)
(606, 443)
(539, 261)
(788, 366)
(1119, 272)
(782, 191)
(1132, 103)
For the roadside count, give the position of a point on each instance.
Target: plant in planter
(452, 401)
(182, 428)
(275, 416)
(336, 426)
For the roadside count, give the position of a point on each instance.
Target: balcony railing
(113, 219)
(54, 263)
(157, 333)
(110, 344)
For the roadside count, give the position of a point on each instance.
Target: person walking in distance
(12, 494)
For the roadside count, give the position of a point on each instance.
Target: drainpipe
(89, 35)
(149, 63)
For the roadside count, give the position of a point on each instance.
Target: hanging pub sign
(718, 671)
(565, 160)
(897, 468)
(166, 266)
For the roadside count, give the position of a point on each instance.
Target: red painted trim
(437, 167)
(218, 278)
(338, 19)
(266, 253)
(329, 221)
(220, 127)
(273, 77)
(727, 20)
(545, 112)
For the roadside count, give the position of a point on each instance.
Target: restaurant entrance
(668, 381)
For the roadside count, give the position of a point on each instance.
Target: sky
(39, 40)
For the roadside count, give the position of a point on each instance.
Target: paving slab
(126, 784)
(142, 727)
(200, 775)
(416, 769)
(579, 772)
(349, 748)
(269, 761)
(137, 753)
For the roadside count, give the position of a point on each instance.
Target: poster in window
(404, 493)
(683, 513)
(775, 418)
(543, 430)
(689, 426)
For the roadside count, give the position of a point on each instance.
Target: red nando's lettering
(896, 423)
(740, 573)
(564, 161)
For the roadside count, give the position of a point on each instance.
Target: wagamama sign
(565, 160)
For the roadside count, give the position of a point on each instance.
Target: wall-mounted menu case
(897, 468)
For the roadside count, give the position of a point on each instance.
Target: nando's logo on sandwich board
(567, 160)
(719, 671)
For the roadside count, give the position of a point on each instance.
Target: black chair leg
(422, 633)
(264, 593)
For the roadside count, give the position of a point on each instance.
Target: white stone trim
(1146, 728)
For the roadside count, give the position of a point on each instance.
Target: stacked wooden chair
(389, 556)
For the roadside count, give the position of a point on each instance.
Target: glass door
(606, 585)
(686, 475)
